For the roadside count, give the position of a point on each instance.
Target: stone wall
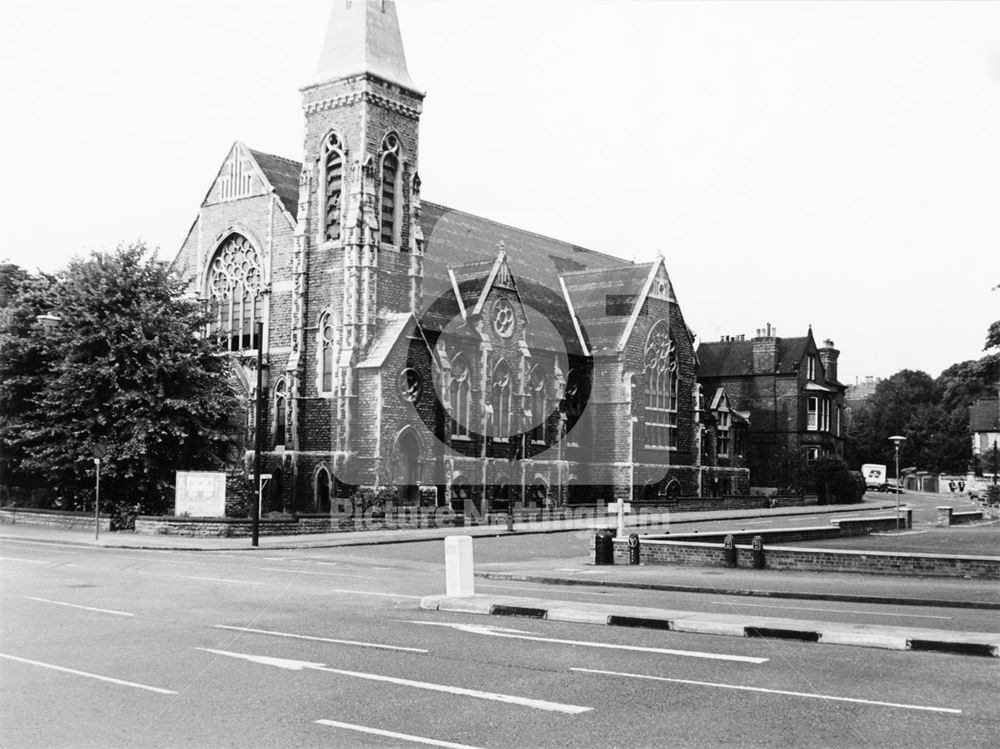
(53, 519)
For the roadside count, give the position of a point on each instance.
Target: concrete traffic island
(861, 635)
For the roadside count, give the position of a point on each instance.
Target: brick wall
(816, 560)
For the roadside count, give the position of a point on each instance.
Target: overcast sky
(832, 164)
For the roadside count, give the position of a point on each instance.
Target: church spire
(363, 37)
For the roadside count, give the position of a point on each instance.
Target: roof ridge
(528, 231)
(630, 266)
(255, 152)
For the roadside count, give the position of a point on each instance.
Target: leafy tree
(993, 334)
(126, 367)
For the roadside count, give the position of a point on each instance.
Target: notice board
(200, 494)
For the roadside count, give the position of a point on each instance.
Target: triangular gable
(499, 276)
(241, 176)
(396, 326)
(657, 286)
(720, 401)
(603, 302)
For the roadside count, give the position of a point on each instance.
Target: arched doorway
(406, 467)
(322, 495)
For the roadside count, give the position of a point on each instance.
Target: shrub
(832, 481)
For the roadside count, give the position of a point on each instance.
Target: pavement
(848, 587)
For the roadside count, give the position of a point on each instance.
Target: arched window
(536, 395)
(461, 390)
(333, 187)
(573, 405)
(501, 401)
(661, 388)
(280, 413)
(327, 352)
(539, 492)
(322, 495)
(406, 467)
(392, 198)
(233, 290)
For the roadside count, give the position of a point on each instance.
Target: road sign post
(99, 451)
(621, 508)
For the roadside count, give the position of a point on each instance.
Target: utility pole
(258, 434)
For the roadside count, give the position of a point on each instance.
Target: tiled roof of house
(735, 358)
(984, 416)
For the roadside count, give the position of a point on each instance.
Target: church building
(415, 349)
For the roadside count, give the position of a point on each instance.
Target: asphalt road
(115, 648)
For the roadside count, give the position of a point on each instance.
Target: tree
(126, 367)
(993, 334)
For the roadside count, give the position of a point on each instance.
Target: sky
(826, 164)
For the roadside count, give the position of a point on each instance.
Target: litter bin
(604, 547)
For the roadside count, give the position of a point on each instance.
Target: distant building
(789, 389)
(857, 395)
(984, 423)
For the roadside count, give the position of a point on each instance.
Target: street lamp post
(897, 440)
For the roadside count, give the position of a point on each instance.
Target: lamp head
(897, 439)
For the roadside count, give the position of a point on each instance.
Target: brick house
(789, 388)
(415, 347)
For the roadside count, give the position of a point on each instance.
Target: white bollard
(459, 582)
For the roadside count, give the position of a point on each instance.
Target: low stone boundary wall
(814, 560)
(402, 519)
(948, 517)
(53, 518)
(707, 504)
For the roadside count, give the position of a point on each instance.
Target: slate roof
(393, 326)
(454, 238)
(589, 291)
(735, 358)
(469, 245)
(283, 174)
(984, 416)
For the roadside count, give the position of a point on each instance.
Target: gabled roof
(604, 301)
(456, 239)
(283, 174)
(735, 358)
(984, 416)
(395, 324)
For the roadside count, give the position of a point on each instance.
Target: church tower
(359, 250)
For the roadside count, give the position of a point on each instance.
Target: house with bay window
(790, 391)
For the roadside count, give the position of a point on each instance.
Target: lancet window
(501, 401)
(461, 391)
(391, 198)
(333, 187)
(327, 352)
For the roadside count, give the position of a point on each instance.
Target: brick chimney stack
(765, 349)
(828, 355)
